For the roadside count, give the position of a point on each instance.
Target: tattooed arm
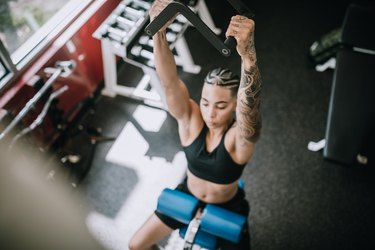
(248, 104)
(248, 97)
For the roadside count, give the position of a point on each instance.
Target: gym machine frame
(178, 8)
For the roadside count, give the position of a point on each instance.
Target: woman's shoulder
(240, 151)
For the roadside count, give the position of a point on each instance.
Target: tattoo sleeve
(248, 103)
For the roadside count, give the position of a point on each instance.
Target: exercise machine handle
(243, 10)
(178, 8)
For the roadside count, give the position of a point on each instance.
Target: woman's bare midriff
(210, 192)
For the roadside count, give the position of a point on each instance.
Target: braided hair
(225, 78)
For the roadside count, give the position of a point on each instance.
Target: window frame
(7, 64)
(17, 62)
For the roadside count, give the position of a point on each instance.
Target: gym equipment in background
(121, 35)
(350, 135)
(40, 117)
(326, 47)
(63, 69)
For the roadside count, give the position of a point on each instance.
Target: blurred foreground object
(36, 213)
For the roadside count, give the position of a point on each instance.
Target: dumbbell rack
(122, 35)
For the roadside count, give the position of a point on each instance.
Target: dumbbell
(147, 41)
(141, 53)
(138, 51)
(133, 14)
(140, 5)
(115, 34)
(175, 27)
(124, 23)
(128, 12)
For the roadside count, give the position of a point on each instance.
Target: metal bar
(62, 67)
(241, 8)
(175, 7)
(41, 116)
(30, 103)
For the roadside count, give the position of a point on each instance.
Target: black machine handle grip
(175, 7)
(243, 10)
(231, 42)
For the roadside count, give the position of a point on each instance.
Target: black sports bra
(216, 166)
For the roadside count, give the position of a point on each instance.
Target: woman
(217, 147)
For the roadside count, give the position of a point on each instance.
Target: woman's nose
(211, 112)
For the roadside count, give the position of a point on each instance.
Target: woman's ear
(235, 105)
(234, 115)
(234, 110)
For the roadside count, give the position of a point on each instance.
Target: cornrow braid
(223, 77)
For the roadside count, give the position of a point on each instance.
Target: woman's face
(217, 105)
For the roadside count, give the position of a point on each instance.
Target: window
(6, 66)
(3, 70)
(23, 21)
(26, 27)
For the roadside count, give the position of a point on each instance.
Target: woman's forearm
(164, 60)
(248, 98)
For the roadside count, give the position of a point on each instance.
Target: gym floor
(298, 199)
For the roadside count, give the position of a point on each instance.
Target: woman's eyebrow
(219, 102)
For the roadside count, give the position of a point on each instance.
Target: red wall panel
(79, 46)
